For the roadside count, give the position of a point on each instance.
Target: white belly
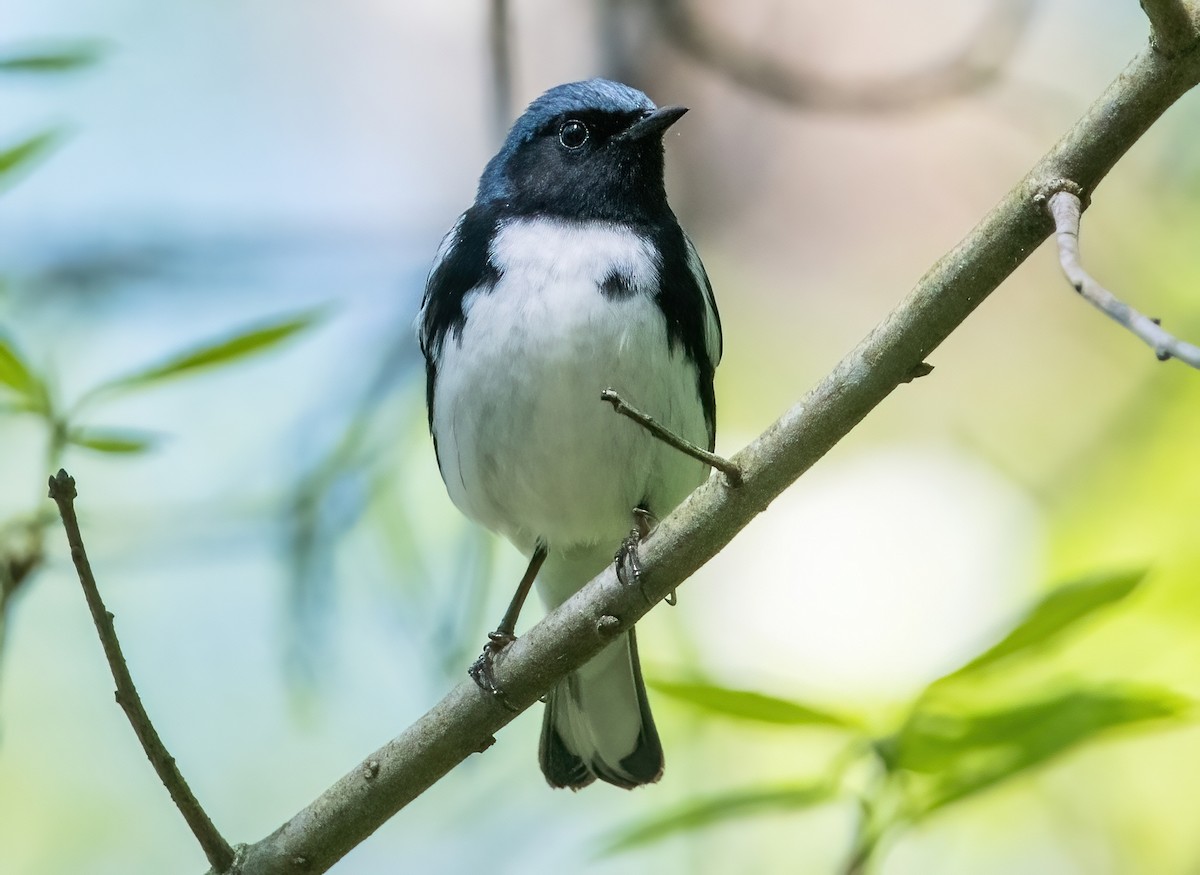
(526, 446)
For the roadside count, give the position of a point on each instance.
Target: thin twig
(1173, 29)
(664, 434)
(975, 64)
(218, 851)
(1065, 208)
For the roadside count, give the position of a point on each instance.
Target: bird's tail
(598, 724)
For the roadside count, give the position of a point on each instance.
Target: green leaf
(16, 374)
(746, 705)
(119, 441)
(60, 58)
(17, 157)
(1057, 613)
(716, 809)
(220, 351)
(964, 753)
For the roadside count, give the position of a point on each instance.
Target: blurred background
(215, 223)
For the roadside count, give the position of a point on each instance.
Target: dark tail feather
(561, 767)
(598, 724)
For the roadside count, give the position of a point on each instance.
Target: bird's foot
(628, 562)
(483, 670)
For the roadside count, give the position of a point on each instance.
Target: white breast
(527, 447)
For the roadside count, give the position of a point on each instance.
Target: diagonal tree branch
(220, 855)
(466, 719)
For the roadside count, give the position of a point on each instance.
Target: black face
(578, 166)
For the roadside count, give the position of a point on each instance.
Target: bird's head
(588, 150)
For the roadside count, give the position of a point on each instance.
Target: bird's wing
(712, 318)
(425, 323)
(462, 264)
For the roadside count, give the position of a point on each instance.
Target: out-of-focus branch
(1065, 208)
(972, 66)
(466, 719)
(1173, 27)
(218, 851)
(500, 48)
(20, 555)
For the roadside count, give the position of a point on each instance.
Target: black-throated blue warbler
(570, 274)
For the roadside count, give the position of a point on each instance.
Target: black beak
(653, 122)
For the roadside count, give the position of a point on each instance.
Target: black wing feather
(464, 265)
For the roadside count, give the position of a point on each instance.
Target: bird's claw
(483, 669)
(627, 559)
(628, 563)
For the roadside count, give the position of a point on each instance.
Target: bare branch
(467, 718)
(1065, 208)
(671, 439)
(974, 65)
(218, 851)
(1173, 28)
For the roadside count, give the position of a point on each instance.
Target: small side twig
(924, 369)
(219, 853)
(731, 471)
(1173, 30)
(1065, 208)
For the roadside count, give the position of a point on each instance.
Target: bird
(569, 275)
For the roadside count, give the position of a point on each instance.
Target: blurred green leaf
(964, 753)
(746, 705)
(716, 809)
(1056, 613)
(221, 351)
(16, 374)
(119, 441)
(16, 157)
(60, 58)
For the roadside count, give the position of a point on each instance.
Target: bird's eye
(573, 134)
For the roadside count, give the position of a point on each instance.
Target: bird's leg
(629, 564)
(482, 670)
